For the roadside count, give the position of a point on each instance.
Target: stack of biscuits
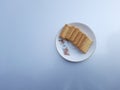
(76, 37)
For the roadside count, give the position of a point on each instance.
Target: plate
(71, 53)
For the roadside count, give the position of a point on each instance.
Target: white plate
(69, 51)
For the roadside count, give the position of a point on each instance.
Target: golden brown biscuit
(76, 40)
(64, 31)
(86, 45)
(76, 31)
(70, 32)
(83, 37)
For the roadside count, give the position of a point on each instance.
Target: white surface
(28, 57)
(74, 55)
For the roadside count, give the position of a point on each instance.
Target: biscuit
(86, 45)
(76, 31)
(64, 31)
(83, 37)
(70, 32)
(76, 40)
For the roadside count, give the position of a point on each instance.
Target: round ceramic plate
(69, 52)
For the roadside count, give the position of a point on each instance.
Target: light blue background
(28, 57)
